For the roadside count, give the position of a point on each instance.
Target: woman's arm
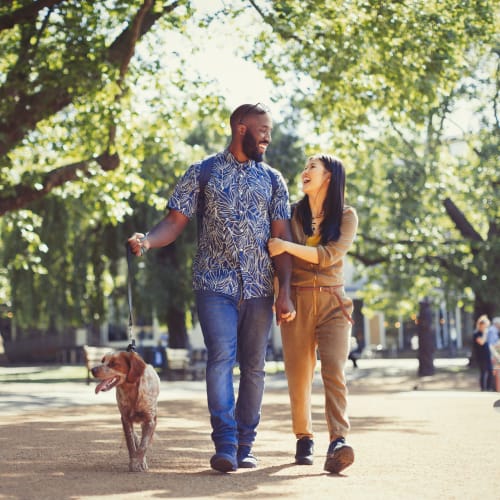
(278, 246)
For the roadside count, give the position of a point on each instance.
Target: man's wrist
(145, 245)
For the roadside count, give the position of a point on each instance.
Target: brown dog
(137, 388)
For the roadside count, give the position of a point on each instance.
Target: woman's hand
(276, 246)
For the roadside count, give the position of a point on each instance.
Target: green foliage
(406, 93)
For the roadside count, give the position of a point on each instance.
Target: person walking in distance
(323, 230)
(483, 353)
(245, 203)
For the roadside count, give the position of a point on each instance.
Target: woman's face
(315, 176)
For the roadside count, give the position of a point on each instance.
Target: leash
(131, 346)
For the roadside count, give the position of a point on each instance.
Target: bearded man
(245, 203)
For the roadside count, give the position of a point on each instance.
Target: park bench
(93, 356)
(185, 364)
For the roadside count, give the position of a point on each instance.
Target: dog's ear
(137, 367)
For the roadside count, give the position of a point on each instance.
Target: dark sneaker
(224, 459)
(305, 451)
(339, 456)
(245, 458)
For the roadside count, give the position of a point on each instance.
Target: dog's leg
(131, 439)
(136, 440)
(138, 462)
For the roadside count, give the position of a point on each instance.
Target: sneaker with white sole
(245, 458)
(339, 456)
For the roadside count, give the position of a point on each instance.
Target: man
(245, 203)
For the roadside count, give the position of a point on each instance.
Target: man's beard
(250, 147)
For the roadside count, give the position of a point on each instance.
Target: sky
(240, 81)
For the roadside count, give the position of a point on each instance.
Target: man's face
(251, 148)
(257, 136)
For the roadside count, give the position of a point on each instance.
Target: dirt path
(435, 441)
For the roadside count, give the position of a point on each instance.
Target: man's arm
(284, 308)
(164, 233)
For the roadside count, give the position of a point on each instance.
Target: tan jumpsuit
(323, 323)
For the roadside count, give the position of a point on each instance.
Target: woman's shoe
(305, 451)
(339, 456)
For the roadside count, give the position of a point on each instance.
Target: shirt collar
(229, 157)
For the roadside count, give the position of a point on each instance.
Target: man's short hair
(241, 112)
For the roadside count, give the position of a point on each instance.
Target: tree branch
(28, 112)
(367, 261)
(142, 23)
(30, 109)
(277, 25)
(25, 14)
(57, 177)
(461, 223)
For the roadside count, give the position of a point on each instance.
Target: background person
(494, 334)
(233, 275)
(323, 230)
(483, 353)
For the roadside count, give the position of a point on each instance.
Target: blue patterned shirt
(240, 203)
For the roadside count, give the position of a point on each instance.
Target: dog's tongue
(105, 385)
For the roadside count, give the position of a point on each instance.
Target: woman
(483, 353)
(323, 231)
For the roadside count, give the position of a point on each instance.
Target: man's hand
(139, 244)
(284, 308)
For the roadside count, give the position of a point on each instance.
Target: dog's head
(118, 368)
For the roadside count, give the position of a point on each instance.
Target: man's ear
(242, 128)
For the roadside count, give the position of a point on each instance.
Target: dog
(137, 389)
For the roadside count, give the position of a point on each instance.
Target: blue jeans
(234, 331)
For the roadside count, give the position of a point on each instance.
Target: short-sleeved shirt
(240, 203)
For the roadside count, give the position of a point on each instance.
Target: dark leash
(131, 346)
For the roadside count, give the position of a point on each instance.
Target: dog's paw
(138, 465)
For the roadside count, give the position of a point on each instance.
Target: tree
(426, 341)
(65, 105)
(64, 226)
(57, 58)
(92, 141)
(384, 82)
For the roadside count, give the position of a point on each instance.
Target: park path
(415, 438)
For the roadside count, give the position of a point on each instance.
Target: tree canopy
(101, 112)
(409, 92)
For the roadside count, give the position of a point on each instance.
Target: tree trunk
(482, 306)
(426, 344)
(177, 332)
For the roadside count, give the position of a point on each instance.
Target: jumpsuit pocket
(346, 305)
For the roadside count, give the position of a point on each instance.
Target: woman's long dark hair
(333, 206)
